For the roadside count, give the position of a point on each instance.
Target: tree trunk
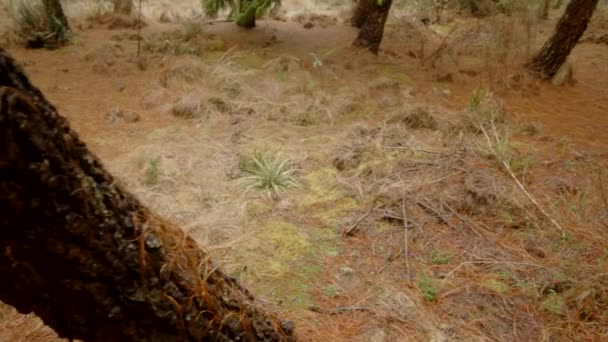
(123, 7)
(372, 29)
(543, 9)
(568, 31)
(87, 257)
(54, 12)
(361, 12)
(246, 18)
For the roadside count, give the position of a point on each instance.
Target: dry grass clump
(418, 118)
(188, 73)
(188, 106)
(33, 27)
(19, 327)
(189, 39)
(477, 236)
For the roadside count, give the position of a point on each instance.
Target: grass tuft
(34, 28)
(268, 173)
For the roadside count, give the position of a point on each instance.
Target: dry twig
(350, 230)
(515, 179)
(338, 310)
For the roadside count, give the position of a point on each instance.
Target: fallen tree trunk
(87, 257)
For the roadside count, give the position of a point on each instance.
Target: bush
(34, 28)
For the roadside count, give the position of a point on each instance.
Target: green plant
(332, 291)
(35, 27)
(152, 172)
(244, 12)
(438, 257)
(268, 173)
(428, 286)
(553, 303)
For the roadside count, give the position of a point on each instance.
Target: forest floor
(476, 196)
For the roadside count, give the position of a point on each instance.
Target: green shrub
(34, 28)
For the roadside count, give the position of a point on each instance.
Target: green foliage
(332, 291)
(440, 257)
(268, 173)
(553, 303)
(34, 27)
(244, 12)
(152, 172)
(428, 286)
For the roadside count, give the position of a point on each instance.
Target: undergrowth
(34, 28)
(267, 173)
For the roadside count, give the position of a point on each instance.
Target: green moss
(443, 29)
(428, 286)
(326, 242)
(216, 45)
(333, 215)
(553, 303)
(496, 286)
(394, 72)
(322, 186)
(285, 243)
(212, 57)
(250, 61)
(439, 257)
(282, 265)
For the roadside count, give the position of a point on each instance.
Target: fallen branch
(338, 310)
(405, 239)
(350, 230)
(435, 213)
(465, 221)
(507, 168)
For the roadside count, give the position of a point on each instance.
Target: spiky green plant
(244, 12)
(268, 173)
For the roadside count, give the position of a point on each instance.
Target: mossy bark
(87, 257)
(372, 30)
(568, 31)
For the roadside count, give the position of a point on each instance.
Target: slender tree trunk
(123, 7)
(362, 10)
(372, 30)
(54, 11)
(568, 31)
(543, 9)
(87, 257)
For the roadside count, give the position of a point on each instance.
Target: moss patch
(394, 72)
(250, 61)
(322, 187)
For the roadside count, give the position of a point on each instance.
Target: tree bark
(568, 31)
(123, 7)
(372, 30)
(87, 257)
(362, 10)
(54, 11)
(543, 9)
